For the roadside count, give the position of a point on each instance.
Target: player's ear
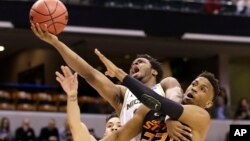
(209, 104)
(154, 72)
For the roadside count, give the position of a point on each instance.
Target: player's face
(199, 93)
(112, 125)
(140, 68)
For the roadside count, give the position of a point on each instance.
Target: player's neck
(150, 83)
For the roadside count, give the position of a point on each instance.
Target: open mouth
(135, 70)
(189, 95)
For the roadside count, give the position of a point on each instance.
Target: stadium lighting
(1, 48)
(105, 31)
(6, 24)
(214, 37)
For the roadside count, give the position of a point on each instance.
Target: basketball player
(80, 132)
(151, 129)
(145, 69)
(198, 97)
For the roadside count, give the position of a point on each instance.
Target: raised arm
(106, 88)
(69, 84)
(150, 98)
(147, 96)
(132, 128)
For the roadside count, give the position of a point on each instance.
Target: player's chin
(135, 75)
(187, 100)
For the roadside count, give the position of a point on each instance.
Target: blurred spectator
(53, 138)
(5, 134)
(48, 131)
(25, 132)
(221, 108)
(242, 111)
(243, 7)
(224, 94)
(212, 6)
(64, 132)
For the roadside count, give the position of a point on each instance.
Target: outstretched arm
(147, 96)
(106, 88)
(69, 84)
(151, 99)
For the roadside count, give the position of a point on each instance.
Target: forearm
(78, 129)
(73, 112)
(153, 100)
(73, 60)
(120, 74)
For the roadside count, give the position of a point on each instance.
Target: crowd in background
(24, 100)
(233, 7)
(222, 109)
(51, 132)
(26, 133)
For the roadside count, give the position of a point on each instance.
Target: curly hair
(214, 82)
(155, 65)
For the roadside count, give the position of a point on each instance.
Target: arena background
(180, 34)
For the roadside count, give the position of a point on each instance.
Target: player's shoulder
(169, 82)
(198, 111)
(168, 79)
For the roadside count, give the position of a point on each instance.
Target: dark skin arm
(197, 118)
(106, 88)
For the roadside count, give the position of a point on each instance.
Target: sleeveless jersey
(154, 128)
(131, 103)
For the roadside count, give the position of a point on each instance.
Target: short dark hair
(114, 114)
(215, 82)
(155, 65)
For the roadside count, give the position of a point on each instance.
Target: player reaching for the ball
(144, 68)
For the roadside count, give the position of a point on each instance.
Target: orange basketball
(50, 12)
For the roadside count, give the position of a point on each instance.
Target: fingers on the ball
(32, 26)
(34, 29)
(46, 28)
(39, 30)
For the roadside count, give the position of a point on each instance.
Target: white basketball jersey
(130, 105)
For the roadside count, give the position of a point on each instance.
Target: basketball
(50, 12)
